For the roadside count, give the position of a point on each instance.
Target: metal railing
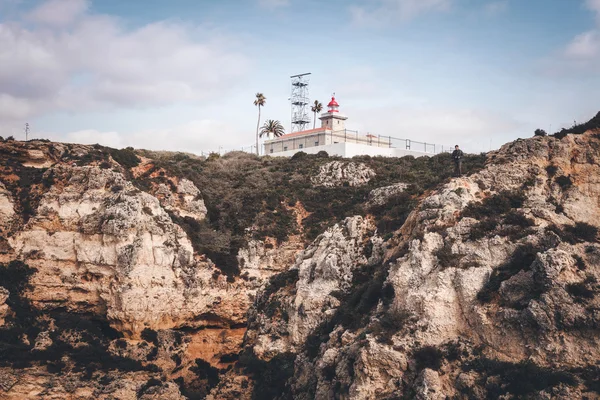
(347, 136)
(351, 136)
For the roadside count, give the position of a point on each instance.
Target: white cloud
(470, 128)
(585, 45)
(274, 3)
(199, 136)
(379, 11)
(59, 12)
(62, 57)
(583, 52)
(496, 7)
(593, 5)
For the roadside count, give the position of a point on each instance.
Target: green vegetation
(270, 377)
(581, 232)
(259, 101)
(247, 196)
(126, 157)
(521, 260)
(88, 355)
(519, 379)
(273, 127)
(579, 129)
(316, 108)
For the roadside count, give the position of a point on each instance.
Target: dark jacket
(457, 155)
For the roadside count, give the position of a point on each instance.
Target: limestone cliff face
(491, 281)
(100, 246)
(114, 282)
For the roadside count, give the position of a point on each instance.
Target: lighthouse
(333, 119)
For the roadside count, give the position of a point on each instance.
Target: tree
(316, 108)
(272, 126)
(540, 132)
(259, 102)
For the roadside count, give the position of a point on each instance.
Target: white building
(335, 139)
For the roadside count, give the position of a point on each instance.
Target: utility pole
(27, 131)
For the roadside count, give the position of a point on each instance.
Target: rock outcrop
(339, 173)
(115, 281)
(492, 280)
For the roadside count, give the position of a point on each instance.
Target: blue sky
(182, 74)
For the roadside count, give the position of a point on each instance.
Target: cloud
(582, 54)
(471, 128)
(390, 10)
(274, 3)
(58, 12)
(496, 7)
(593, 5)
(198, 136)
(585, 45)
(62, 57)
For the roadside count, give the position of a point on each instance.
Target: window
(316, 143)
(300, 146)
(270, 151)
(284, 148)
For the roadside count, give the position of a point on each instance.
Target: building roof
(301, 133)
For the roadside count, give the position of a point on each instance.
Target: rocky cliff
(138, 275)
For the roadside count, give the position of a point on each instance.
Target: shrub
(521, 260)
(150, 383)
(213, 156)
(579, 129)
(518, 219)
(540, 132)
(519, 379)
(497, 204)
(270, 377)
(551, 170)
(126, 157)
(205, 371)
(581, 232)
(322, 154)
(446, 258)
(565, 182)
(229, 358)
(580, 263)
(299, 156)
(150, 336)
(483, 228)
(581, 291)
(392, 215)
(429, 357)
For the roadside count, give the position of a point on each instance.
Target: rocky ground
(136, 275)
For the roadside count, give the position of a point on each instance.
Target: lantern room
(333, 119)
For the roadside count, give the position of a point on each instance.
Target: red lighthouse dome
(333, 105)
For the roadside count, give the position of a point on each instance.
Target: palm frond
(260, 100)
(272, 126)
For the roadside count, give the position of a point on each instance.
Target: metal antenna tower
(299, 98)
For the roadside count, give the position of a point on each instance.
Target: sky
(182, 75)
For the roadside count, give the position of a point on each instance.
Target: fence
(324, 137)
(329, 137)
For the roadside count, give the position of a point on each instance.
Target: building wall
(303, 142)
(349, 150)
(297, 143)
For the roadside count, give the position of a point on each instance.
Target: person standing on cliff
(457, 155)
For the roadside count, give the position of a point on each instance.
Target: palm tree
(260, 102)
(272, 126)
(316, 108)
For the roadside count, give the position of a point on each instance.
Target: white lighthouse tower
(332, 119)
